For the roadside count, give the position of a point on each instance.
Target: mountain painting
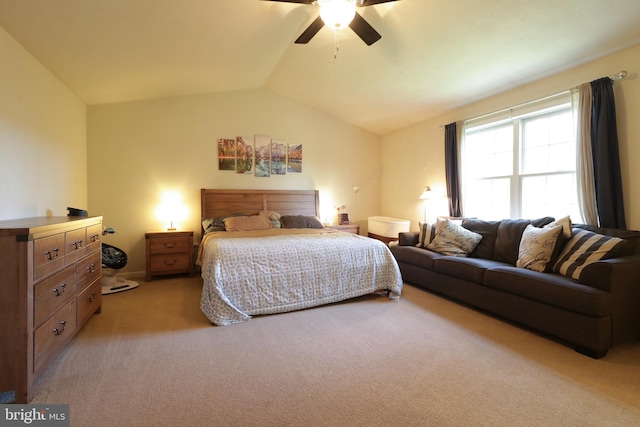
(278, 157)
(294, 158)
(244, 155)
(262, 151)
(226, 154)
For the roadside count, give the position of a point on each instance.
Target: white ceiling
(434, 55)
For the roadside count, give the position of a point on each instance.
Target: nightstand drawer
(169, 252)
(347, 228)
(169, 245)
(169, 262)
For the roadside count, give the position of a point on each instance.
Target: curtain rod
(618, 76)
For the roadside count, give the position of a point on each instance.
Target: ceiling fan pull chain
(335, 54)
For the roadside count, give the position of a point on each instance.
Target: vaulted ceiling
(434, 55)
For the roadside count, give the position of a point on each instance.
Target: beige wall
(414, 157)
(43, 153)
(135, 151)
(138, 150)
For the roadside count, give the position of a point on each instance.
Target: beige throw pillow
(453, 239)
(247, 223)
(536, 246)
(565, 222)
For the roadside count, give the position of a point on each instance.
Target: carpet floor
(151, 358)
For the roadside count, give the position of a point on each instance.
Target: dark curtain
(606, 158)
(451, 168)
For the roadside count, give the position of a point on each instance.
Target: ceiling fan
(337, 14)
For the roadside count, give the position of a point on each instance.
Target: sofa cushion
(453, 239)
(508, 238)
(537, 246)
(549, 288)
(586, 247)
(489, 232)
(470, 269)
(416, 256)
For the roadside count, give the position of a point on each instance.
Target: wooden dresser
(50, 271)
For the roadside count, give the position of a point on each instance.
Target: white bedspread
(279, 270)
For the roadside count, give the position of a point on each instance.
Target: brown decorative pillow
(300, 221)
(247, 223)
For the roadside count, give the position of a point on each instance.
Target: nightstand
(169, 252)
(349, 228)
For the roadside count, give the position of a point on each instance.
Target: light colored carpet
(152, 359)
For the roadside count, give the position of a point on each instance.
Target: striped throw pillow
(584, 248)
(427, 233)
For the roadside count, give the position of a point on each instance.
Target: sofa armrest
(611, 273)
(408, 238)
(621, 278)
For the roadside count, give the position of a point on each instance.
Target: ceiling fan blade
(372, 2)
(294, 1)
(365, 31)
(311, 31)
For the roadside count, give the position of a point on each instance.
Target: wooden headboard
(219, 203)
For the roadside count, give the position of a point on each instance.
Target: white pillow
(429, 231)
(537, 245)
(565, 222)
(453, 239)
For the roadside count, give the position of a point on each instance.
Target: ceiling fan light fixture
(337, 14)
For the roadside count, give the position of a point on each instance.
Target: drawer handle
(170, 245)
(51, 256)
(94, 237)
(92, 297)
(77, 244)
(57, 331)
(57, 293)
(170, 263)
(91, 268)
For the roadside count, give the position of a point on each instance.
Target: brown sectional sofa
(599, 310)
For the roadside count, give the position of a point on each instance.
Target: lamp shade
(426, 193)
(337, 14)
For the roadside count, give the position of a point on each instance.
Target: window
(521, 163)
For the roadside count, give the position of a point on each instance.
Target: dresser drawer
(53, 293)
(169, 245)
(94, 237)
(48, 255)
(89, 301)
(53, 335)
(75, 245)
(162, 264)
(89, 269)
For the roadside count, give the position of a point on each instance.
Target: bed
(274, 270)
